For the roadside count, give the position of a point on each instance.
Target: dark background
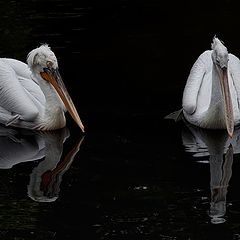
(122, 53)
(125, 64)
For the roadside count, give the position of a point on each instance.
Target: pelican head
(42, 57)
(43, 63)
(220, 60)
(220, 53)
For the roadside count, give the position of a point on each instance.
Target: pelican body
(33, 95)
(211, 97)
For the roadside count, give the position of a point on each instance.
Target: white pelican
(211, 97)
(33, 96)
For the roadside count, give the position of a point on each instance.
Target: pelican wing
(20, 68)
(24, 76)
(193, 85)
(19, 94)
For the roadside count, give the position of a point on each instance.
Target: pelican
(33, 95)
(211, 97)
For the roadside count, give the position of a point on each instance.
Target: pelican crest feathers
(217, 42)
(36, 56)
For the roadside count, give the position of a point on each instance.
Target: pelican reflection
(219, 148)
(22, 145)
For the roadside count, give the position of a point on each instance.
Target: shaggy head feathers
(220, 53)
(41, 57)
(217, 44)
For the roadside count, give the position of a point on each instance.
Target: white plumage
(211, 97)
(33, 96)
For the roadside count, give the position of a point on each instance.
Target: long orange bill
(53, 76)
(229, 118)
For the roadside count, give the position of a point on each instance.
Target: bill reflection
(219, 149)
(20, 145)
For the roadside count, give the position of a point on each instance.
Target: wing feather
(192, 86)
(13, 96)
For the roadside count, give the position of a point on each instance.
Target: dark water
(133, 175)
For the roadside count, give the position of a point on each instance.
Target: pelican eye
(49, 64)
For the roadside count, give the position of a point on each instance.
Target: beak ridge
(53, 76)
(228, 108)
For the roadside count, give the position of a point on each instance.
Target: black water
(134, 175)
